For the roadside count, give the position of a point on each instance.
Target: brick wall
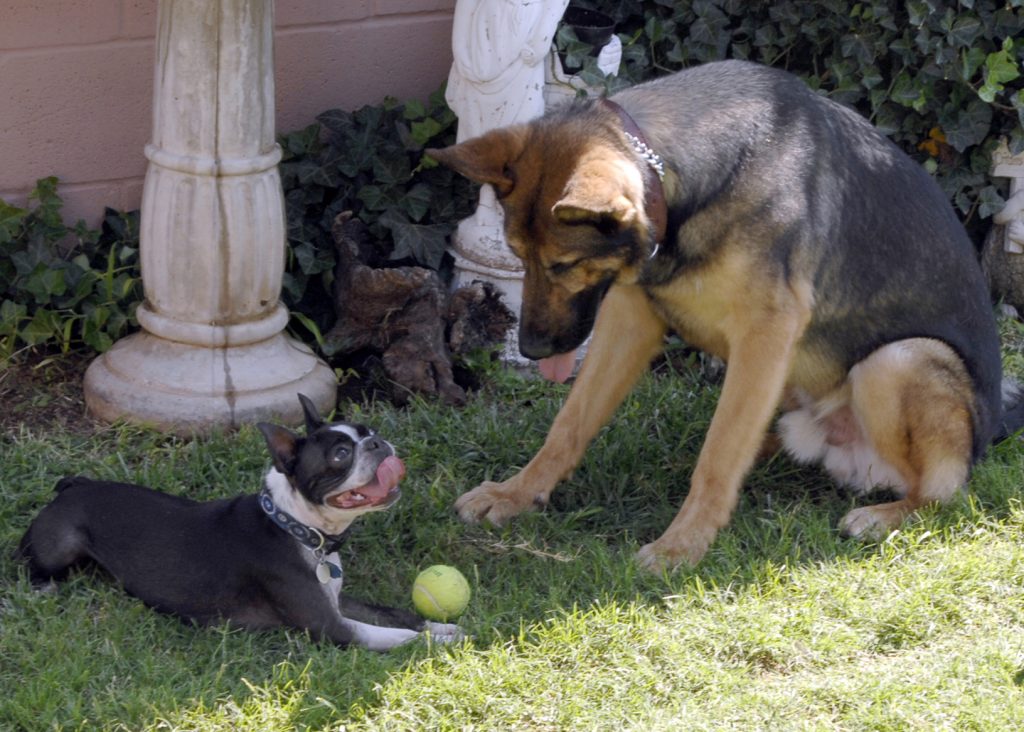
(76, 82)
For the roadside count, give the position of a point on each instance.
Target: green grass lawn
(783, 626)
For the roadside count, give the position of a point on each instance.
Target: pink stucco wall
(76, 82)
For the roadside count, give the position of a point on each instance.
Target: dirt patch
(42, 393)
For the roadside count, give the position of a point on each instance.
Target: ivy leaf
(10, 221)
(357, 154)
(11, 315)
(424, 243)
(907, 93)
(970, 61)
(414, 110)
(378, 198)
(45, 283)
(48, 204)
(44, 324)
(305, 255)
(989, 202)
(870, 76)
(337, 121)
(970, 126)
(425, 130)
(416, 202)
(965, 30)
(327, 172)
(1000, 67)
(302, 142)
(391, 169)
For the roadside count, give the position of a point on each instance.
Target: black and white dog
(258, 560)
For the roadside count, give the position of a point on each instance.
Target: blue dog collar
(320, 543)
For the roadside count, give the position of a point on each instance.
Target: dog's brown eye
(560, 268)
(341, 454)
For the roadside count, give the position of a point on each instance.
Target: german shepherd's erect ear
(603, 191)
(485, 159)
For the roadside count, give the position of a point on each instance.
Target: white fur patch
(377, 638)
(327, 519)
(856, 465)
(347, 430)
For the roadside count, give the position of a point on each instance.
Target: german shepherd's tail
(1013, 410)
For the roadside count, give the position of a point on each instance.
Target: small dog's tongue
(558, 368)
(390, 471)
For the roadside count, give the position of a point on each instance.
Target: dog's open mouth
(381, 491)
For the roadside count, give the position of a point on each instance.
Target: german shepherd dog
(771, 227)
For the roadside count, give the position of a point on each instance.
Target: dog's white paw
(444, 632)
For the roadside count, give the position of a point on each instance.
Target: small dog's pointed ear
(311, 413)
(602, 192)
(283, 445)
(485, 159)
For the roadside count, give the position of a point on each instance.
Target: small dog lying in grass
(257, 560)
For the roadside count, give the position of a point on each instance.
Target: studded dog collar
(654, 193)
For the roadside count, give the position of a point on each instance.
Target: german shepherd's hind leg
(913, 400)
(761, 349)
(628, 333)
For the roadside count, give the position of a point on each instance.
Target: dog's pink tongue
(558, 368)
(390, 471)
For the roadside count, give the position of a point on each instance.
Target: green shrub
(941, 78)
(64, 287)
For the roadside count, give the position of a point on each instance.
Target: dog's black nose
(373, 443)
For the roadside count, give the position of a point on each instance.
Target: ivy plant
(65, 287)
(942, 78)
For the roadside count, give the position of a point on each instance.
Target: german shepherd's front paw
(664, 554)
(496, 503)
(874, 523)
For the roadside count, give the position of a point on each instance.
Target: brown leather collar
(654, 192)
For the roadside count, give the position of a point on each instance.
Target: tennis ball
(440, 592)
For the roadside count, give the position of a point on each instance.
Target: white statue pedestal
(504, 73)
(213, 351)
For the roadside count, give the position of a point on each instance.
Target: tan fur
(912, 399)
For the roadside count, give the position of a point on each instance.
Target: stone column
(505, 72)
(212, 350)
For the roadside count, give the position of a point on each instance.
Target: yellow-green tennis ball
(440, 593)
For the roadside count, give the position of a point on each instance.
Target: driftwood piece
(404, 315)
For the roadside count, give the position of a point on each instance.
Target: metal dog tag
(323, 573)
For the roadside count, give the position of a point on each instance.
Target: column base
(187, 389)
